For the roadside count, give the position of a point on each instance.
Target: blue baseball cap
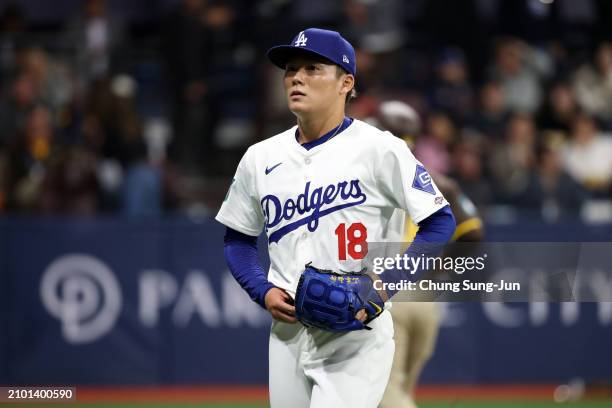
(324, 43)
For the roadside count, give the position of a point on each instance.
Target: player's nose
(298, 76)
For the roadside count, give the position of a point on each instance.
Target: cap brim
(281, 54)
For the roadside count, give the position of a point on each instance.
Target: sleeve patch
(422, 180)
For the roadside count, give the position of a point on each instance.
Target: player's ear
(348, 83)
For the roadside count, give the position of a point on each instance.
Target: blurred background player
(416, 323)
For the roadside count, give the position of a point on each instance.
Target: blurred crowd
(100, 113)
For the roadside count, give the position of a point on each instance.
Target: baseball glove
(330, 300)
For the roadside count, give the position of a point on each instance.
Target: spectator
(68, 113)
(551, 191)
(451, 90)
(513, 161)
(492, 116)
(517, 69)
(70, 184)
(112, 124)
(31, 155)
(433, 148)
(142, 186)
(593, 85)
(559, 109)
(51, 78)
(16, 107)
(93, 40)
(587, 156)
(468, 171)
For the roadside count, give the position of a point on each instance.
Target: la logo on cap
(301, 41)
(345, 59)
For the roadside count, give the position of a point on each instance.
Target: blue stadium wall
(125, 302)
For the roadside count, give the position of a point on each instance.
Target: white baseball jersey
(322, 205)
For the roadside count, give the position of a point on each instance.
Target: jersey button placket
(308, 168)
(304, 247)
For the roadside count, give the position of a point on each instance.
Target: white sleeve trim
(429, 212)
(240, 228)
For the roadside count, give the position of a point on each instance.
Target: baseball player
(416, 324)
(321, 191)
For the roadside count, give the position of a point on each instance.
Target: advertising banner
(128, 303)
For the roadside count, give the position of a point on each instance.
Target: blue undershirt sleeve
(240, 252)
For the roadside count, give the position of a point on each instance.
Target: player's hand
(280, 305)
(361, 315)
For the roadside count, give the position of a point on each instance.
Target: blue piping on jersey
(346, 122)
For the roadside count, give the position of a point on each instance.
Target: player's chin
(298, 107)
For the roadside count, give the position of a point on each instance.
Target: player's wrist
(264, 295)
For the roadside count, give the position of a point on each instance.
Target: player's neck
(313, 128)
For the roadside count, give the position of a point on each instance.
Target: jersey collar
(346, 122)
